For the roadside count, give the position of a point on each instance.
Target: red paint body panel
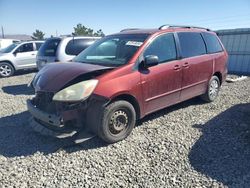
(162, 86)
(195, 75)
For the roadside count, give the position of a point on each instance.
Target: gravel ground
(191, 144)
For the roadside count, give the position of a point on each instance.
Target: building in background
(20, 37)
(237, 43)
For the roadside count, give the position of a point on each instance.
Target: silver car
(18, 56)
(62, 49)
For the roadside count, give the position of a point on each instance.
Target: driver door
(25, 56)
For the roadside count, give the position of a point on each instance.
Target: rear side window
(191, 44)
(212, 42)
(75, 46)
(49, 47)
(163, 47)
(38, 45)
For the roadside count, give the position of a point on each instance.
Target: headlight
(76, 92)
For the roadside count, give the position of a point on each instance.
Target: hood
(55, 76)
(2, 55)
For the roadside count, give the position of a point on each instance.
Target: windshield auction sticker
(134, 43)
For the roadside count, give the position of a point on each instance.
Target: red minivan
(125, 76)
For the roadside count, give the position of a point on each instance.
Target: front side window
(163, 47)
(212, 42)
(76, 46)
(191, 44)
(28, 47)
(114, 50)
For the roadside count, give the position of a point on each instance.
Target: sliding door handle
(177, 67)
(186, 64)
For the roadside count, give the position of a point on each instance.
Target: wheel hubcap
(118, 122)
(214, 88)
(5, 70)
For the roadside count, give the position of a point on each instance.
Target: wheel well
(132, 100)
(6, 61)
(218, 74)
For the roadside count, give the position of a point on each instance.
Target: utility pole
(2, 32)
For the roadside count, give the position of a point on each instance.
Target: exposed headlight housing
(76, 92)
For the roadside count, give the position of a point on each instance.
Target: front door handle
(177, 67)
(186, 64)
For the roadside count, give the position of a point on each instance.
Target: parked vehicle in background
(6, 42)
(125, 76)
(18, 56)
(62, 49)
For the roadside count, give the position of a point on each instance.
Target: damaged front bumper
(68, 121)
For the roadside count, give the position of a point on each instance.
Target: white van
(62, 49)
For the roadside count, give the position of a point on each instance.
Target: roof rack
(166, 26)
(129, 29)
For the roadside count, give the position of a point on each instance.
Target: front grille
(43, 101)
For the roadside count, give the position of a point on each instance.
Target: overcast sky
(51, 16)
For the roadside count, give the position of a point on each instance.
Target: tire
(6, 69)
(212, 90)
(117, 122)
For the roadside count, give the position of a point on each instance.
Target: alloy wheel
(5, 70)
(214, 89)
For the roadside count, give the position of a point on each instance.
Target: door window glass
(191, 44)
(28, 47)
(163, 47)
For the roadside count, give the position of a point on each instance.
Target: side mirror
(151, 60)
(15, 52)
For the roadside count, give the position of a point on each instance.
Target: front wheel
(117, 122)
(212, 90)
(6, 69)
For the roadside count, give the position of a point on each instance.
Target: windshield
(9, 48)
(113, 50)
(49, 47)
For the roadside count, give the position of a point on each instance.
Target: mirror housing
(151, 60)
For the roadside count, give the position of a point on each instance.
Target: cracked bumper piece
(79, 121)
(48, 124)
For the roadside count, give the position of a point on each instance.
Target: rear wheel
(212, 90)
(118, 121)
(6, 69)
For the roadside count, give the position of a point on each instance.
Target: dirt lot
(191, 144)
